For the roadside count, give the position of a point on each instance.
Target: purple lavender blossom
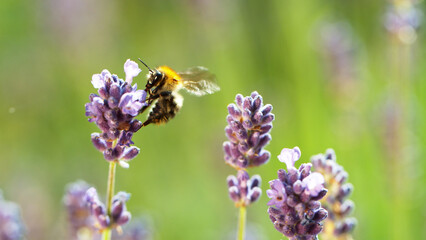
(97, 209)
(296, 193)
(248, 125)
(289, 156)
(244, 190)
(119, 214)
(338, 224)
(113, 110)
(79, 216)
(277, 193)
(11, 225)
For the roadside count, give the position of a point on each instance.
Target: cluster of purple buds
(118, 215)
(338, 224)
(113, 110)
(79, 216)
(402, 21)
(244, 190)
(11, 225)
(295, 194)
(249, 123)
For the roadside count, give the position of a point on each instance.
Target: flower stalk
(106, 235)
(242, 223)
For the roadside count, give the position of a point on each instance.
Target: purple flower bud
(282, 175)
(247, 103)
(239, 100)
(320, 215)
(234, 194)
(292, 201)
(115, 91)
(263, 158)
(109, 154)
(268, 119)
(255, 181)
(266, 109)
(135, 125)
(232, 181)
(130, 153)
(124, 218)
(292, 175)
(98, 142)
(298, 187)
(263, 141)
(315, 229)
(234, 112)
(347, 207)
(258, 118)
(255, 194)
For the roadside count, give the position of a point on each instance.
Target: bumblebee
(163, 85)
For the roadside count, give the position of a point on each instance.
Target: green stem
(242, 223)
(106, 235)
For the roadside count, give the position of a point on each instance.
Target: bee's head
(154, 78)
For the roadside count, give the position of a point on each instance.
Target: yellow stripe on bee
(170, 73)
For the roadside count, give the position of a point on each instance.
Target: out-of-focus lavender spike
(119, 214)
(335, 202)
(79, 213)
(11, 224)
(402, 21)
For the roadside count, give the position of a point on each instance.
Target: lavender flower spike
(244, 190)
(79, 216)
(11, 225)
(297, 213)
(249, 123)
(113, 110)
(339, 224)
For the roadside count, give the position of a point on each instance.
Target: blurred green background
(362, 94)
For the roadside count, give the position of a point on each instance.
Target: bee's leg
(164, 109)
(149, 102)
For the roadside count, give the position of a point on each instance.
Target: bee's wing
(199, 81)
